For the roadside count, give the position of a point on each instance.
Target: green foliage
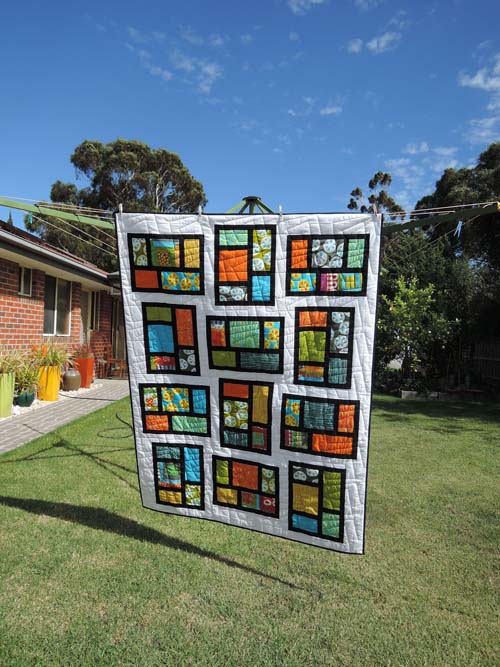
(48, 354)
(27, 375)
(9, 361)
(480, 238)
(378, 200)
(411, 323)
(120, 172)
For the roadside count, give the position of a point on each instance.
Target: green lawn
(88, 577)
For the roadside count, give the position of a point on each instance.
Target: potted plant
(26, 382)
(84, 361)
(49, 359)
(9, 363)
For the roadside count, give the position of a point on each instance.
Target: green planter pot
(25, 399)
(6, 393)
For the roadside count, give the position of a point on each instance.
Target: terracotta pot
(49, 383)
(72, 380)
(86, 367)
(6, 393)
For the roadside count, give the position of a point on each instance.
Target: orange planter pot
(86, 367)
(49, 382)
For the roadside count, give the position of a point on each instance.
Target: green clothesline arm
(444, 217)
(63, 215)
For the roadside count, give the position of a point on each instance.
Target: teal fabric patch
(183, 424)
(253, 361)
(318, 416)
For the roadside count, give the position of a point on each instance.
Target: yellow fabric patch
(260, 398)
(305, 499)
(229, 496)
(192, 253)
(172, 497)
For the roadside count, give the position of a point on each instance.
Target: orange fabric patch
(146, 279)
(157, 422)
(245, 475)
(346, 418)
(233, 266)
(299, 254)
(232, 390)
(312, 318)
(333, 444)
(184, 322)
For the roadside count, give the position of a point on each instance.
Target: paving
(20, 429)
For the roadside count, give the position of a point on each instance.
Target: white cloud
(355, 45)
(182, 62)
(293, 36)
(367, 5)
(192, 37)
(201, 72)
(487, 79)
(386, 42)
(399, 21)
(331, 110)
(164, 74)
(300, 7)
(445, 151)
(415, 149)
(136, 35)
(216, 41)
(246, 39)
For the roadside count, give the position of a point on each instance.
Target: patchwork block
(246, 485)
(245, 265)
(170, 339)
(174, 409)
(316, 501)
(327, 264)
(320, 426)
(170, 264)
(179, 475)
(245, 410)
(253, 344)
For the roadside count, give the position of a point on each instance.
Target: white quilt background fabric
(362, 361)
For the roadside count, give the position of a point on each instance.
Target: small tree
(378, 200)
(412, 325)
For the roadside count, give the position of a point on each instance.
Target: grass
(88, 577)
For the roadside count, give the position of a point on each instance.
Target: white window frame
(22, 281)
(54, 333)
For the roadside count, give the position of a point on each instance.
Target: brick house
(49, 295)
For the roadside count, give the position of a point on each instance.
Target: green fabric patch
(312, 345)
(182, 424)
(224, 359)
(233, 237)
(331, 490)
(159, 313)
(222, 472)
(330, 525)
(356, 253)
(244, 333)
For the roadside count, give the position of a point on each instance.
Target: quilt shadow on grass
(101, 519)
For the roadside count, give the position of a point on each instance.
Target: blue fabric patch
(305, 523)
(337, 371)
(318, 416)
(261, 288)
(192, 464)
(161, 338)
(199, 401)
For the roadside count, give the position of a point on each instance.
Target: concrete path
(20, 429)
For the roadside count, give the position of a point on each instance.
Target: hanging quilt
(250, 349)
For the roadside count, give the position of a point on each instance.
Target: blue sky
(297, 101)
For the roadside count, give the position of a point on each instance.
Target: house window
(94, 306)
(57, 307)
(24, 281)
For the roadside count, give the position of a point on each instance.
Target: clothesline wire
(79, 238)
(397, 214)
(405, 258)
(91, 236)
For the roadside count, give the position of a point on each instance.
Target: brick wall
(21, 317)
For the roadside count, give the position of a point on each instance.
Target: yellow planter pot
(49, 383)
